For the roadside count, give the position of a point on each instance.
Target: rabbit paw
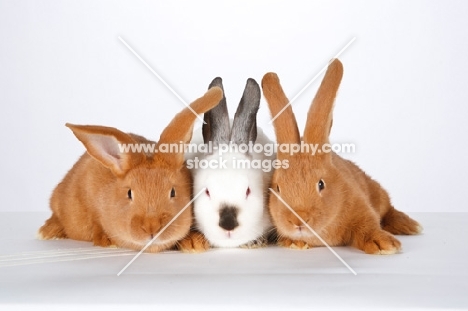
(397, 222)
(261, 241)
(194, 242)
(293, 244)
(52, 230)
(100, 238)
(103, 241)
(381, 243)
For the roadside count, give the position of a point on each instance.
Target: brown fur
(194, 242)
(91, 203)
(352, 209)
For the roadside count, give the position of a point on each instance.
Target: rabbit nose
(228, 218)
(304, 217)
(151, 226)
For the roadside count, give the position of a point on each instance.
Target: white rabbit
(233, 209)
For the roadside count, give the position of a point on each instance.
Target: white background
(403, 99)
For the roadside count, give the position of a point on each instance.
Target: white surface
(430, 273)
(402, 101)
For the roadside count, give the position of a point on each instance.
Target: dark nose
(228, 218)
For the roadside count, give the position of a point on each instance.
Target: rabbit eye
(172, 192)
(207, 192)
(247, 192)
(321, 185)
(130, 194)
(277, 188)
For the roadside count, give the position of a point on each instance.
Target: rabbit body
(236, 182)
(332, 195)
(115, 197)
(232, 210)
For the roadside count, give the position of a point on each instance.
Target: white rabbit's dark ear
(244, 126)
(106, 145)
(216, 128)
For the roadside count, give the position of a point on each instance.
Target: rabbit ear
(105, 144)
(216, 128)
(181, 126)
(244, 126)
(320, 115)
(285, 123)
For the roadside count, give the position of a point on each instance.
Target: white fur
(228, 186)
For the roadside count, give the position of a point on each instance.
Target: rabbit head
(304, 184)
(231, 211)
(116, 194)
(332, 195)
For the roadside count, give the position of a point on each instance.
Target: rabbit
(123, 199)
(232, 212)
(340, 202)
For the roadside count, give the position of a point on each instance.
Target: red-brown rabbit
(113, 197)
(332, 195)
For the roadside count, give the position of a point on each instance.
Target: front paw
(100, 238)
(381, 243)
(103, 240)
(194, 242)
(261, 241)
(293, 244)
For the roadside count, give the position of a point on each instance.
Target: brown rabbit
(332, 195)
(119, 198)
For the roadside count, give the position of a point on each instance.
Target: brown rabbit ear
(285, 123)
(217, 128)
(181, 126)
(244, 125)
(104, 144)
(320, 115)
